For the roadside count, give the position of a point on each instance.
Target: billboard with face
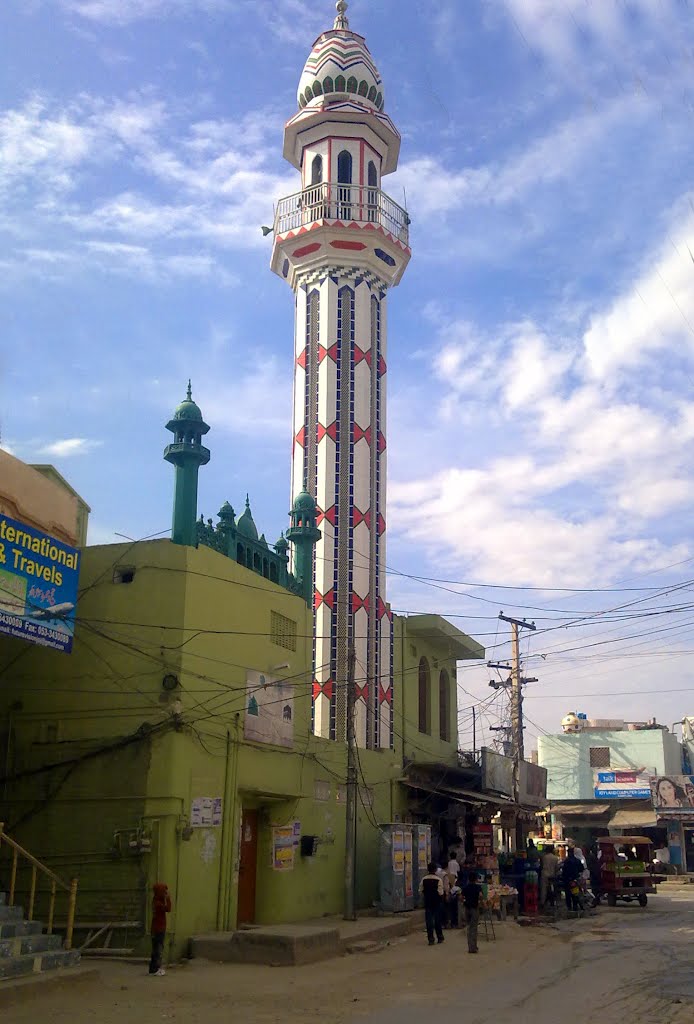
(673, 795)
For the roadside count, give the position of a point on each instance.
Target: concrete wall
(28, 495)
(567, 758)
(409, 648)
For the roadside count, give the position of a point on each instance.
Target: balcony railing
(337, 202)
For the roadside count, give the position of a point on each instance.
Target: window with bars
(283, 631)
(599, 757)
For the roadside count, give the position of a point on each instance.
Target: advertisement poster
(38, 586)
(626, 785)
(269, 710)
(409, 886)
(673, 795)
(284, 843)
(398, 852)
(206, 812)
(482, 839)
(422, 852)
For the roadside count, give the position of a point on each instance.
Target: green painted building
(176, 744)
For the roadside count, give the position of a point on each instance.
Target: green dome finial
(189, 392)
(245, 525)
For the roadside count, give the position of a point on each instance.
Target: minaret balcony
(345, 205)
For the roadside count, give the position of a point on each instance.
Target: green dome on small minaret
(282, 546)
(187, 453)
(304, 503)
(246, 526)
(304, 535)
(188, 411)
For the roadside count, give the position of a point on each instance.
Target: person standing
(572, 869)
(453, 867)
(161, 906)
(548, 877)
(472, 893)
(431, 888)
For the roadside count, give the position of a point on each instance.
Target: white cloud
(69, 446)
(657, 311)
(585, 471)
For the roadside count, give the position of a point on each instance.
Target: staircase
(24, 949)
(24, 946)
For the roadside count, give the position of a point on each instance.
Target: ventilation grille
(599, 757)
(283, 631)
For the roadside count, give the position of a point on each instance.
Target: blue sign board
(38, 585)
(622, 794)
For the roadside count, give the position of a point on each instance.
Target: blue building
(599, 777)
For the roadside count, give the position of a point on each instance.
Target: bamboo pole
(71, 913)
(13, 876)
(32, 894)
(51, 910)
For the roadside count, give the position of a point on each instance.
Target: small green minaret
(187, 454)
(304, 534)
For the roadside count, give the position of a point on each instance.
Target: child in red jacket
(161, 906)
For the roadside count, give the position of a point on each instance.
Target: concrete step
(52, 960)
(23, 944)
(11, 913)
(10, 929)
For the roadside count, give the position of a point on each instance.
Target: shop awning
(463, 796)
(633, 819)
(580, 810)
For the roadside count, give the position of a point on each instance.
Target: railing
(332, 201)
(56, 883)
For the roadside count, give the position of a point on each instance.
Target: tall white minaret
(341, 243)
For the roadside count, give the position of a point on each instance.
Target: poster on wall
(398, 851)
(673, 795)
(423, 855)
(269, 710)
(408, 864)
(284, 842)
(625, 785)
(38, 586)
(206, 812)
(482, 836)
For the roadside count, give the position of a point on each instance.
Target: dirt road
(625, 964)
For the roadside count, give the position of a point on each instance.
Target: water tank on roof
(571, 722)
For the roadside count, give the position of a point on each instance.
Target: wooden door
(247, 867)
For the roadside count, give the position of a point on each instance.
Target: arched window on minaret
(317, 170)
(344, 177)
(372, 199)
(444, 706)
(424, 695)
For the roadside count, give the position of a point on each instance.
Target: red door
(247, 867)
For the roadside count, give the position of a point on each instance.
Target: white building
(340, 243)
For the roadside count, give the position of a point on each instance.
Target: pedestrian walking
(161, 906)
(453, 905)
(431, 888)
(472, 894)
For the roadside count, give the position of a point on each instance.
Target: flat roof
(440, 630)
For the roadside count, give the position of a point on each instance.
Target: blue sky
(541, 344)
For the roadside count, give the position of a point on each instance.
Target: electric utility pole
(351, 806)
(517, 746)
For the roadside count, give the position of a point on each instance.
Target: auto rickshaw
(626, 871)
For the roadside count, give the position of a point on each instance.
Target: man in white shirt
(453, 866)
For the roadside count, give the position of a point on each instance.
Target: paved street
(625, 964)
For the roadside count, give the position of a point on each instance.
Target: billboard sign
(673, 795)
(497, 773)
(532, 785)
(626, 785)
(38, 585)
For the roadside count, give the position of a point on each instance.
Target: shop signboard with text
(632, 784)
(38, 585)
